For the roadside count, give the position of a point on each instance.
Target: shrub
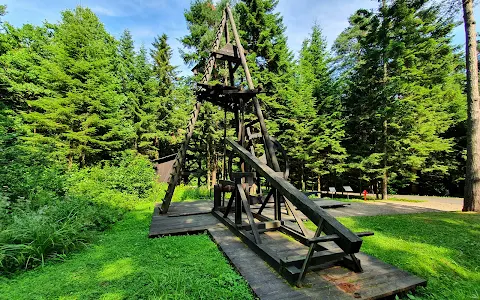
(63, 215)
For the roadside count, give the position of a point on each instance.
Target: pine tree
(326, 155)
(404, 91)
(263, 33)
(84, 112)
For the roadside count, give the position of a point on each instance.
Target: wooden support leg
(238, 205)
(353, 263)
(269, 195)
(229, 205)
(296, 216)
(277, 208)
(311, 250)
(217, 197)
(246, 206)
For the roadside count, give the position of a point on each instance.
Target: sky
(148, 18)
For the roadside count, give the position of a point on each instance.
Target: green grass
(124, 264)
(443, 248)
(191, 193)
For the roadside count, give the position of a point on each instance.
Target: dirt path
(373, 208)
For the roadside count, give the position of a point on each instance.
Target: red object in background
(365, 195)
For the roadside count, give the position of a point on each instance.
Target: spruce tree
(263, 33)
(404, 92)
(84, 113)
(130, 88)
(326, 155)
(162, 69)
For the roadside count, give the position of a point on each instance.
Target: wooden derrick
(236, 212)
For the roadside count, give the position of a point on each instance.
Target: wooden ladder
(182, 152)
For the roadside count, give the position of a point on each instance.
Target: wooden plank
(265, 284)
(349, 242)
(297, 217)
(265, 225)
(378, 279)
(319, 257)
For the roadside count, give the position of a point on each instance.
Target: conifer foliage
(384, 111)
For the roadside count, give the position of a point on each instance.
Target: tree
(130, 87)
(83, 112)
(162, 69)
(313, 128)
(403, 91)
(472, 178)
(263, 34)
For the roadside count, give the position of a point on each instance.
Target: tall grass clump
(53, 211)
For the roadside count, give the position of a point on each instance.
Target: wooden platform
(379, 280)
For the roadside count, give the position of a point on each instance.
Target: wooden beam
(251, 220)
(349, 241)
(269, 149)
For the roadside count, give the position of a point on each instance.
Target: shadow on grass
(124, 263)
(440, 247)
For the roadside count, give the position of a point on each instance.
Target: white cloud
(100, 10)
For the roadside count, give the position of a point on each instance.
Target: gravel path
(373, 208)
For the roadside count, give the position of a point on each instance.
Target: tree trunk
(70, 161)
(385, 122)
(209, 165)
(303, 178)
(214, 170)
(472, 176)
(385, 162)
(319, 185)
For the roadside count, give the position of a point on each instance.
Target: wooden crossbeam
(246, 206)
(349, 241)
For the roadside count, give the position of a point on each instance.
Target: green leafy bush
(62, 216)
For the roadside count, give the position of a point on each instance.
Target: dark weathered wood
(311, 249)
(269, 195)
(378, 279)
(251, 220)
(317, 258)
(180, 160)
(296, 216)
(269, 148)
(229, 205)
(188, 214)
(333, 237)
(238, 204)
(349, 242)
(265, 225)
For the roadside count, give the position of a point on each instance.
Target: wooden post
(269, 148)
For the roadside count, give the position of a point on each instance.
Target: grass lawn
(443, 248)
(124, 264)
